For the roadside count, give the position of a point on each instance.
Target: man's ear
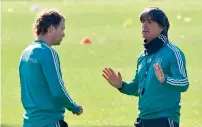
(164, 31)
(51, 29)
(162, 28)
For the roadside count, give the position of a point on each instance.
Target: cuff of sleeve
(75, 109)
(123, 83)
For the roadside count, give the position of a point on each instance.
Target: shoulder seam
(178, 57)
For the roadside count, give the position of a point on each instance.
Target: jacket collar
(155, 45)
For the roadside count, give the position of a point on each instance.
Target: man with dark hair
(43, 93)
(160, 76)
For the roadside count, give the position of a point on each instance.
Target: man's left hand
(159, 73)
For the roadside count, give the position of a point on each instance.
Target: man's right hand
(114, 79)
(80, 111)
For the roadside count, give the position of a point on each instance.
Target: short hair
(45, 19)
(157, 15)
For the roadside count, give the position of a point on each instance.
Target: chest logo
(158, 61)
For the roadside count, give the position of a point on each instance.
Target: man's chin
(58, 42)
(143, 36)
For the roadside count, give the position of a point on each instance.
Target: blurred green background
(114, 29)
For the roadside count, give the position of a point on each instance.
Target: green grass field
(113, 45)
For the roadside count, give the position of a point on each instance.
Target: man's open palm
(114, 79)
(159, 73)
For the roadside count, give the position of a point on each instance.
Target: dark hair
(47, 18)
(157, 15)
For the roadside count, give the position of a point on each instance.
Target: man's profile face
(150, 29)
(58, 33)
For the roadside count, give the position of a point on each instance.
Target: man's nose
(144, 25)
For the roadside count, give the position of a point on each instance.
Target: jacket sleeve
(130, 88)
(178, 79)
(51, 70)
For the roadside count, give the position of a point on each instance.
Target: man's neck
(45, 39)
(150, 39)
(156, 44)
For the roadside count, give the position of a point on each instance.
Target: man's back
(41, 108)
(44, 96)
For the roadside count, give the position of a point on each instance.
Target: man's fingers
(155, 67)
(159, 72)
(109, 71)
(159, 67)
(119, 74)
(112, 71)
(106, 77)
(106, 73)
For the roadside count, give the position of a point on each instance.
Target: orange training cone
(86, 40)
